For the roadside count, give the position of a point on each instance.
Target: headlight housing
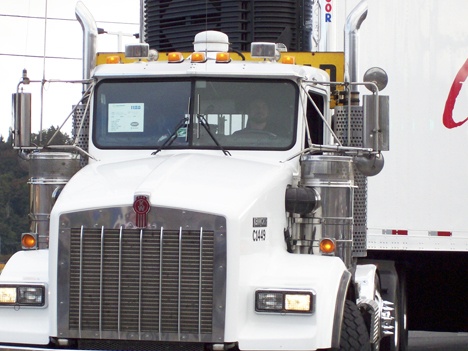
(22, 295)
(284, 301)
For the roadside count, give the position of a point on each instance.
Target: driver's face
(258, 111)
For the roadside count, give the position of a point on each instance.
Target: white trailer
(416, 205)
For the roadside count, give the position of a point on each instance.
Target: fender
(26, 324)
(369, 299)
(339, 308)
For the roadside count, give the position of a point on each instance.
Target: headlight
(284, 301)
(22, 295)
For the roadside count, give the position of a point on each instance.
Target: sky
(23, 34)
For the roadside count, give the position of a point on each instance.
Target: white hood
(206, 183)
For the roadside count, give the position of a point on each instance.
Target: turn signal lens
(7, 295)
(298, 302)
(29, 241)
(327, 246)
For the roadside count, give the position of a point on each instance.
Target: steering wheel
(258, 132)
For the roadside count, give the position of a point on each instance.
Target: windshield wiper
(202, 120)
(173, 135)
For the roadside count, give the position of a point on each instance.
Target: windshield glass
(195, 113)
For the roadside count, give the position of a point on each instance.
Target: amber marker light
(113, 59)
(289, 60)
(223, 57)
(29, 241)
(175, 57)
(327, 246)
(198, 57)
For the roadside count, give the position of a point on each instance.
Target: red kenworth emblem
(141, 206)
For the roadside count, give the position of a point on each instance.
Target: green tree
(47, 134)
(13, 199)
(14, 192)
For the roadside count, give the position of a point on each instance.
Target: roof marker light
(175, 57)
(113, 59)
(198, 57)
(223, 57)
(289, 60)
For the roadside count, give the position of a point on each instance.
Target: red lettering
(452, 98)
(328, 7)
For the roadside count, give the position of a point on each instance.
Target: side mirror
(376, 134)
(377, 76)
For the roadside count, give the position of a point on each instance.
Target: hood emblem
(141, 206)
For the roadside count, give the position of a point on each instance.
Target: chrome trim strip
(200, 279)
(119, 310)
(80, 280)
(179, 280)
(160, 278)
(100, 280)
(139, 283)
(339, 308)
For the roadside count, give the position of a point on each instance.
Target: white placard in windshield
(124, 118)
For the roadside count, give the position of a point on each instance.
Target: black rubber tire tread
(354, 333)
(403, 311)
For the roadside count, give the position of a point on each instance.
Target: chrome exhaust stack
(351, 41)
(90, 33)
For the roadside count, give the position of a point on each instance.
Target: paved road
(424, 341)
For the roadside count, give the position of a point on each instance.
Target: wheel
(354, 333)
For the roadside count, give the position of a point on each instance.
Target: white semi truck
(213, 199)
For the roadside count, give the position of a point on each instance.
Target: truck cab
(213, 211)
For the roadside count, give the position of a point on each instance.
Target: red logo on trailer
(141, 206)
(452, 98)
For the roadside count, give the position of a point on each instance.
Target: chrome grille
(149, 284)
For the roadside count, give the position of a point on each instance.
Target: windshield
(195, 113)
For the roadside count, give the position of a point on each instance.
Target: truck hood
(207, 183)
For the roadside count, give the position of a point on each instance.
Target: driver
(258, 115)
(258, 119)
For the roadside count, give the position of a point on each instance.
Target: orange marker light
(289, 60)
(28, 241)
(223, 57)
(175, 57)
(198, 57)
(327, 246)
(113, 59)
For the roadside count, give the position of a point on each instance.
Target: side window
(314, 120)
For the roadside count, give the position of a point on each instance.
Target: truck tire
(354, 333)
